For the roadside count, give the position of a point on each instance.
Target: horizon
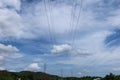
(56, 74)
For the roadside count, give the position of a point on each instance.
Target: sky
(78, 36)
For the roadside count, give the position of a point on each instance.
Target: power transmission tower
(44, 71)
(71, 74)
(45, 67)
(61, 74)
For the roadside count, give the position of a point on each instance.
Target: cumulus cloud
(65, 48)
(60, 11)
(12, 26)
(33, 67)
(15, 4)
(11, 22)
(97, 50)
(34, 24)
(8, 52)
(8, 48)
(68, 49)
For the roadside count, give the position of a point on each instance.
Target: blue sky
(34, 32)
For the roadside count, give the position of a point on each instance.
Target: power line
(52, 20)
(76, 25)
(72, 16)
(48, 20)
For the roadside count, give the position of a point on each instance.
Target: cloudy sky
(79, 36)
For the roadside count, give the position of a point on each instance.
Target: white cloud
(114, 20)
(1, 68)
(60, 19)
(1, 58)
(34, 24)
(17, 55)
(64, 48)
(94, 45)
(116, 69)
(79, 73)
(11, 3)
(33, 67)
(8, 48)
(10, 24)
(71, 50)
(8, 52)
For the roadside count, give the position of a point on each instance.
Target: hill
(28, 75)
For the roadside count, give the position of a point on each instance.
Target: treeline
(27, 75)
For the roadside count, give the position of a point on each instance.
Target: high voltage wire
(49, 21)
(74, 27)
(74, 21)
(47, 16)
(52, 21)
(77, 23)
(72, 16)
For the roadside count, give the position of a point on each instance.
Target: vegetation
(27, 75)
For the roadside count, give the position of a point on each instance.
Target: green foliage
(111, 77)
(27, 75)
